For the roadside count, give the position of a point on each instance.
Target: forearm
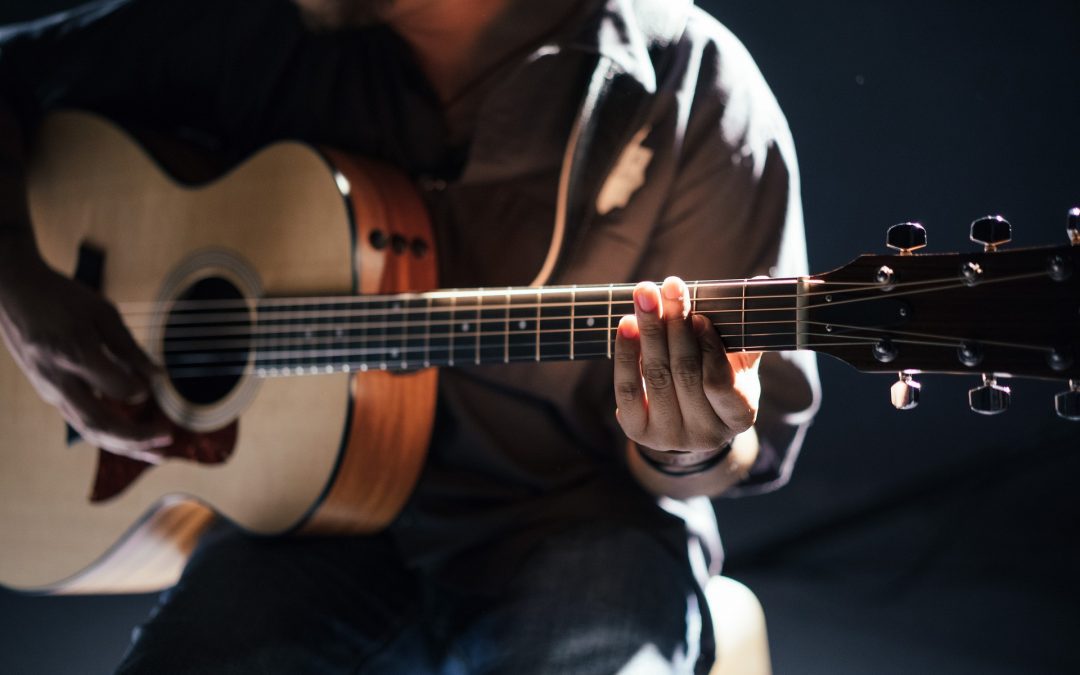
(711, 482)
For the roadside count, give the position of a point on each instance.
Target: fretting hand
(681, 397)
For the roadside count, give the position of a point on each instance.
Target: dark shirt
(517, 449)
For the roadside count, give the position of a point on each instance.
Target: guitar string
(422, 311)
(153, 307)
(181, 345)
(268, 329)
(189, 346)
(352, 348)
(472, 352)
(242, 368)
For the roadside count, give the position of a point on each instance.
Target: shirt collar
(625, 31)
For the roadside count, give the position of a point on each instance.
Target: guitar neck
(487, 325)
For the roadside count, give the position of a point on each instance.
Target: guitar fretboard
(484, 326)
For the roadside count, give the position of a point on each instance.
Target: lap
(588, 599)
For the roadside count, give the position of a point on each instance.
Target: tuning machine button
(991, 232)
(904, 393)
(1067, 403)
(906, 237)
(989, 399)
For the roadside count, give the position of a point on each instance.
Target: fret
(722, 303)
(316, 336)
(506, 329)
(374, 352)
(464, 328)
(427, 332)
(609, 334)
(555, 312)
(414, 352)
(589, 321)
(440, 336)
(538, 327)
(393, 334)
(349, 339)
(522, 336)
(491, 330)
(573, 303)
(771, 310)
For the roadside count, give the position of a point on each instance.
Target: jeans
(590, 599)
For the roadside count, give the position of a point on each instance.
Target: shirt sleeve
(735, 211)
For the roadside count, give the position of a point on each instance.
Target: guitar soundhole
(207, 340)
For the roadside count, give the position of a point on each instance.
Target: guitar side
(332, 453)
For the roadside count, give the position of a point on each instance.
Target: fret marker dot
(522, 325)
(363, 367)
(465, 327)
(345, 368)
(397, 306)
(590, 322)
(394, 352)
(338, 332)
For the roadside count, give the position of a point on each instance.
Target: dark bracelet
(686, 469)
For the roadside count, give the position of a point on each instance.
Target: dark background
(932, 540)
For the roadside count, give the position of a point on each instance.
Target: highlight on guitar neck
(992, 313)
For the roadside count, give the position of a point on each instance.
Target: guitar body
(334, 453)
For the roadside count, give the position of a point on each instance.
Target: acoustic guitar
(289, 302)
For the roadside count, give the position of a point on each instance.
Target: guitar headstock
(993, 313)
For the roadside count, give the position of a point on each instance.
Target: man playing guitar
(642, 130)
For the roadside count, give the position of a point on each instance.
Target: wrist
(679, 464)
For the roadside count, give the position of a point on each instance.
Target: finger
(719, 380)
(702, 428)
(632, 412)
(655, 364)
(102, 426)
(105, 374)
(119, 341)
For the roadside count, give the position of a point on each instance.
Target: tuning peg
(1067, 403)
(989, 399)
(1072, 225)
(905, 392)
(906, 237)
(991, 232)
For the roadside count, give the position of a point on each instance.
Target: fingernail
(162, 441)
(672, 289)
(645, 299)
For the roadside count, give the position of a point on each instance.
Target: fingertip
(647, 296)
(628, 328)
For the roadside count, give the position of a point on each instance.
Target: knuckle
(687, 370)
(657, 376)
(626, 356)
(741, 420)
(651, 329)
(627, 392)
